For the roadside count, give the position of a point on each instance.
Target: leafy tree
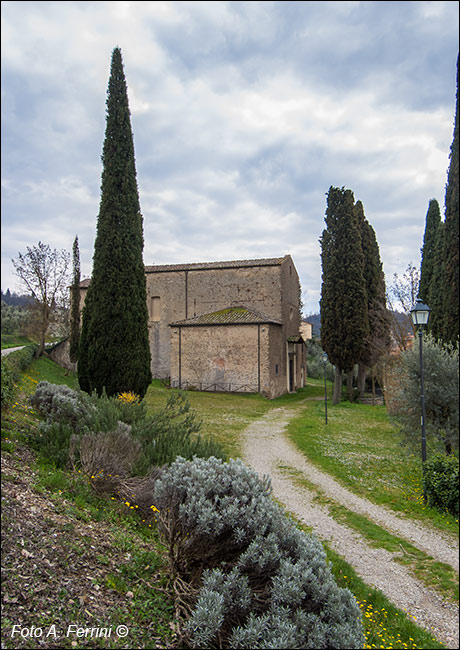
(43, 272)
(344, 310)
(75, 303)
(432, 223)
(114, 349)
(450, 331)
(440, 365)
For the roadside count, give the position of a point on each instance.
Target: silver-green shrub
(258, 581)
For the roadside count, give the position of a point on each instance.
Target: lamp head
(420, 313)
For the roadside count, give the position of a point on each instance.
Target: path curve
(265, 447)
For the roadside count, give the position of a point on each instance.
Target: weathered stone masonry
(226, 325)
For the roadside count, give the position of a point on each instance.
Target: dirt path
(265, 447)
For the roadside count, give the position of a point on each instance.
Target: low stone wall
(60, 355)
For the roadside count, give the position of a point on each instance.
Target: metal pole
(325, 393)
(422, 395)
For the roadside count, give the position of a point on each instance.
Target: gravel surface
(265, 447)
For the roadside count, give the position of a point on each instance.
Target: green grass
(362, 449)
(14, 341)
(224, 416)
(436, 575)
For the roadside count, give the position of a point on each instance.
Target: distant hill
(315, 320)
(16, 300)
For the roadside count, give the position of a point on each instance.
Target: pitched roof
(202, 266)
(229, 316)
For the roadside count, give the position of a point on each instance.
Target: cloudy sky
(243, 114)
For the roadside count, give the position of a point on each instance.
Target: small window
(155, 308)
(276, 369)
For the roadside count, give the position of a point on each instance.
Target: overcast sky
(243, 115)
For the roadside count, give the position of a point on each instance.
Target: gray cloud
(243, 113)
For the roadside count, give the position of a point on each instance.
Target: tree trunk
(361, 379)
(350, 386)
(337, 395)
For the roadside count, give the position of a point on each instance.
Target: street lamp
(420, 314)
(325, 387)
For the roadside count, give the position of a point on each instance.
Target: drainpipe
(258, 358)
(180, 357)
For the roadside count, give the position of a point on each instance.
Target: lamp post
(325, 387)
(420, 314)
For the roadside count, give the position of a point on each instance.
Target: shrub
(161, 436)
(60, 404)
(440, 482)
(105, 455)
(246, 575)
(440, 364)
(12, 366)
(53, 441)
(171, 432)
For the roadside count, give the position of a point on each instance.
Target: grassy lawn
(362, 449)
(224, 416)
(13, 341)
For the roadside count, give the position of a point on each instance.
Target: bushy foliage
(70, 414)
(254, 580)
(172, 432)
(440, 364)
(440, 482)
(105, 455)
(315, 363)
(12, 366)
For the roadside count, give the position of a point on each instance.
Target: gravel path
(265, 447)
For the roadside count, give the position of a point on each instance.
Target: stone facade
(226, 325)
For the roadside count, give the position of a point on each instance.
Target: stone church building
(226, 326)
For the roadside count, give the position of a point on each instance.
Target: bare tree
(43, 272)
(401, 296)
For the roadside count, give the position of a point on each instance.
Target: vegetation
(261, 582)
(440, 483)
(363, 450)
(42, 271)
(114, 352)
(450, 332)
(75, 303)
(377, 342)
(344, 303)
(124, 557)
(440, 365)
(432, 223)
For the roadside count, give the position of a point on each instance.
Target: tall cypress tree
(75, 303)
(114, 346)
(435, 296)
(344, 316)
(377, 340)
(432, 222)
(450, 329)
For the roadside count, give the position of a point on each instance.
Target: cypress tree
(377, 341)
(344, 315)
(75, 303)
(432, 222)
(435, 296)
(450, 330)
(114, 346)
